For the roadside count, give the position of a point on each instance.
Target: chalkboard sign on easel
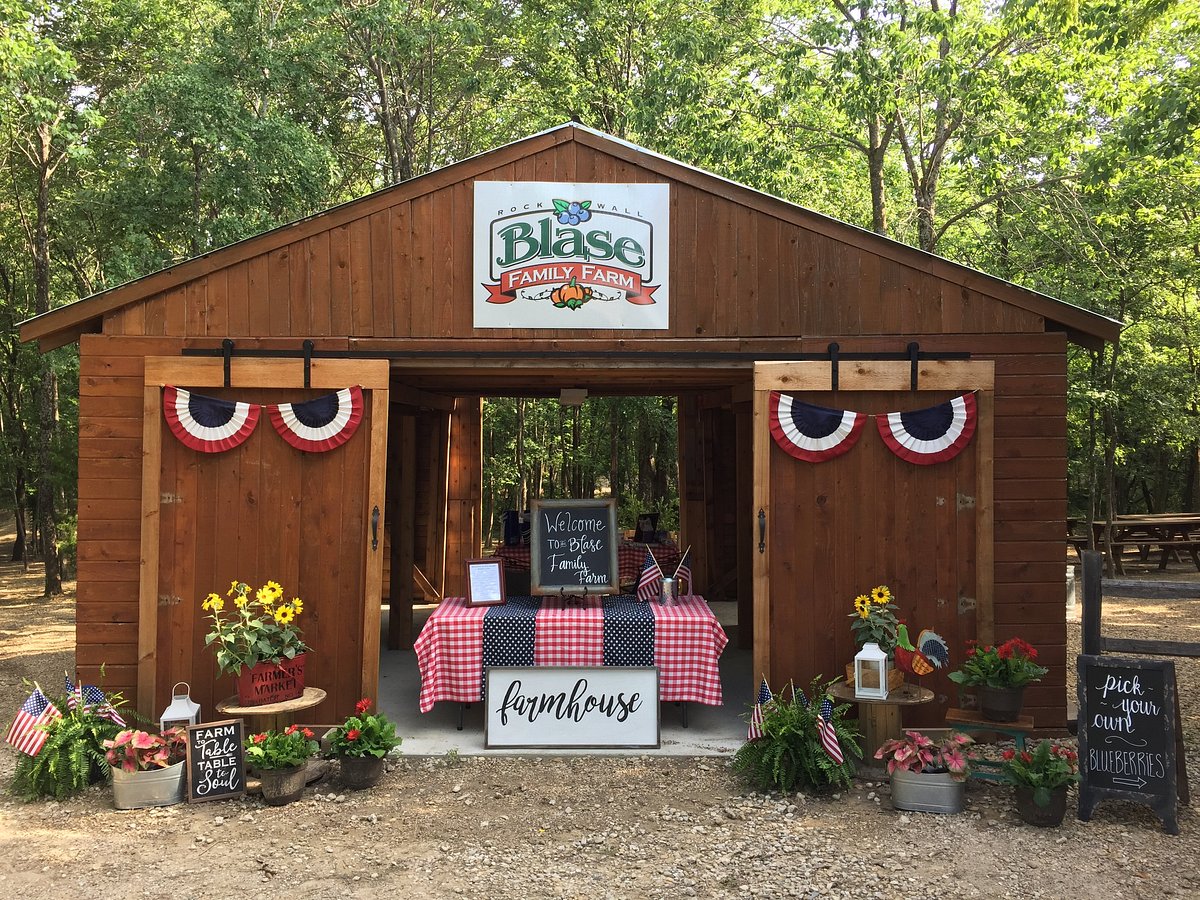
(216, 762)
(1129, 737)
(574, 547)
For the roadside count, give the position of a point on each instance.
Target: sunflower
(240, 601)
(264, 596)
(881, 595)
(297, 605)
(284, 615)
(273, 588)
(213, 602)
(862, 606)
(235, 587)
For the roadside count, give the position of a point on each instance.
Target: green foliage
(1047, 768)
(789, 756)
(364, 734)
(71, 759)
(281, 749)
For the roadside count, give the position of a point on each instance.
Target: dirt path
(627, 827)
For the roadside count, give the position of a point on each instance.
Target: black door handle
(762, 530)
(375, 528)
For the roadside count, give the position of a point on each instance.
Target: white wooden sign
(599, 707)
(571, 255)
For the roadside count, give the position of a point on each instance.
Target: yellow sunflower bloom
(240, 600)
(862, 606)
(881, 594)
(233, 588)
(284, 615)
(264, 596)
(214, 603)
(297, 605)
(273, 588)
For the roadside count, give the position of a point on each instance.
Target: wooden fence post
(1093, 597)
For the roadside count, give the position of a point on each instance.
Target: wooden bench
(971, 722)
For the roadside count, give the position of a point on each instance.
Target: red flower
(291, 729)
(362, 705)
(1072, 755)
(1026, 756)
(352, 734)
(258, 738)
(1008, 754)
(308, 733)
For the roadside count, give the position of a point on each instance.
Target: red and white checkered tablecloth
(688, 641)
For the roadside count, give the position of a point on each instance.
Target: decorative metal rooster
(931, 652)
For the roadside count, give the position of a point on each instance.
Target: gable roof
(66, 323)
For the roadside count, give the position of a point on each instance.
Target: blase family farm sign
(571, 255)
(573, 547)
(1129, 735)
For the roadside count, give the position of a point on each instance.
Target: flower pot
(153, 787)
(272, 682)
(895, 677)
(1048, 816)
(360, 772)
(934, 792)
(282, 786)
(1000, 704)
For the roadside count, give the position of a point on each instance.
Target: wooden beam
(761, 506)
(882, 375)
(411, 396)
(147, 665)
(985, 524)
(370, 374)
(400, 619)
(373, 555)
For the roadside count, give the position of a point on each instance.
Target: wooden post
(1093, 598)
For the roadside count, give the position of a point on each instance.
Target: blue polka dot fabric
(628, 632)
(508, 633)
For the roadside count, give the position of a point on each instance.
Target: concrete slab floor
(711, 731)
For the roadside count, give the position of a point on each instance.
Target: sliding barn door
(831, 530)
(264, 510)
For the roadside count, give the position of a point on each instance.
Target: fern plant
(789, 755)
(71, 759)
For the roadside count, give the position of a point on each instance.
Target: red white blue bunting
(813, 433)
(208, 424)
(932, 435)
(322, 423)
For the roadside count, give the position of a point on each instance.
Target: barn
(751, 301)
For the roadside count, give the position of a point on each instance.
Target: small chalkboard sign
(574, 547)
(1129, 736)
(216, 762)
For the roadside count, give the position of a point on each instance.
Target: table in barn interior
(631, 557)
(683, 640)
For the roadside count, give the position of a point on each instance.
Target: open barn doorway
(668, 459)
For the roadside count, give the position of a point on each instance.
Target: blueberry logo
(573, 212)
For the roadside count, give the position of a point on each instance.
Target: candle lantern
(183, 710)
(871, 673)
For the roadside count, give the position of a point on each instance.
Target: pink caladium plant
(916, 752)
(138, 751)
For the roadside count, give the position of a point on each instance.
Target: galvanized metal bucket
(155, 787)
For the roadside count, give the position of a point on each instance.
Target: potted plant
(1041, 779)
(1000, 673)
(281, 759)
(874, 622)
(72, 756)
(928, 775)
(361, 743)
(258, 643)
(790, 754)
(147, 768)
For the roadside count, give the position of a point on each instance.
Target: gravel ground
(528, 828)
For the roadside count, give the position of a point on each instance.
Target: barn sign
(578, 255)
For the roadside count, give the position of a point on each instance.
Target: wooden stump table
(275, 716)
(879, 720)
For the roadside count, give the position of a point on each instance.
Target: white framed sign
(596, 707)
(571, 255)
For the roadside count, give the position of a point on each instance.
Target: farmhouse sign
(1128, 735)
(216, 766)
(573, 547)
(578, 255)
(571, 706)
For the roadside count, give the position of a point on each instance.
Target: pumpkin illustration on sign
(570, 296)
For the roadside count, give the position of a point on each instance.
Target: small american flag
(755, 731)
(26, 733)
(684, 572)
(650, 582)
(828, 736)
(88, 695)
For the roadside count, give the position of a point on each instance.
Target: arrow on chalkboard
(1135, 783)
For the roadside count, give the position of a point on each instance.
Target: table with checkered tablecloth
(683, 640)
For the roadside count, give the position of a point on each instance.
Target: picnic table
(1169, 533)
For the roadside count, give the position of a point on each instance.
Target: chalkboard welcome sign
(1128, 729)
(574, 547)
(216, 763)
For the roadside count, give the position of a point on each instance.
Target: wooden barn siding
(406, 271)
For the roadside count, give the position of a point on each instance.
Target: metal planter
(935, 792)
(155, 787)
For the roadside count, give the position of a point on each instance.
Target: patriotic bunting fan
(933, 435)
(319, 424)
(813, 433)
(208, 424)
